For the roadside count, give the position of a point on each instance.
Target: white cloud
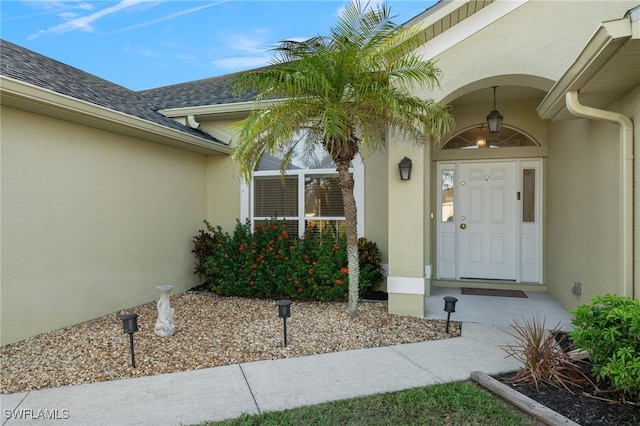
(83, 23)
(67, 15)
(247, 43)
(242, 62)
(171, 16)
(142, 51)
(52, 5)
(85, 6)
(249, 49)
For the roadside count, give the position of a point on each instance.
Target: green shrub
(370, 265)
(609, 330)
(203, 246)
(268, 262)
(542, 356)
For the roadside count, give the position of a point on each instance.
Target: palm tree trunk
(351, 224)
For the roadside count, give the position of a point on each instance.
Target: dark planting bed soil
(577, 406)
(199, 288)
(373, 295)
(583, 405)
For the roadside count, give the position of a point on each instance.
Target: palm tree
(343, 92)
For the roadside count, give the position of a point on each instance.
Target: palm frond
(342, 92)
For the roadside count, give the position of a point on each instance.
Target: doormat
(493, 292)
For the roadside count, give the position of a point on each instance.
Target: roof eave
(20, 95)
(219, 111)
(606, 42)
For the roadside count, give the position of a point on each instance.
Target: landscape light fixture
(284, 312)
(494, 119)
(449, 307)
(405, 166)
(130, 324)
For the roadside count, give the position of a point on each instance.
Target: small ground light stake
(130, 324)
(284, 312)
(449, 306)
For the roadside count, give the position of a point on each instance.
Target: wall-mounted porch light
(405, 166)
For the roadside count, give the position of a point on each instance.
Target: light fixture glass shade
(284, 308)
(130, 323)
(494, 121)
(405, 166)
(481, 142)
(450, 304)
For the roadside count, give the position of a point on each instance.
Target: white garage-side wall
(92, 222)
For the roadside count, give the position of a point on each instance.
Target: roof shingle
(30, 67)
(209, 91)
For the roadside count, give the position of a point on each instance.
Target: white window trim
(246, 191)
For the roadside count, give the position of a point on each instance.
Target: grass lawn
(458, 403)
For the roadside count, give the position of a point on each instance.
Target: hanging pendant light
(494, 119)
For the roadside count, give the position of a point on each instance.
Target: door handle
(463, 226)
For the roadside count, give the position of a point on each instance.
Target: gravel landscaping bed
(210, 331)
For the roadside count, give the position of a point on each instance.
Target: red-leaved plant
(542, 357)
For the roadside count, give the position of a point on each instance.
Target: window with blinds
(303, 199)
(307, 197)
(275, 196)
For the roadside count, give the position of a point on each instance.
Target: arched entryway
(488, 192)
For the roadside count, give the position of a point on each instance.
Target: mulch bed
(583, 405)
(582, 409)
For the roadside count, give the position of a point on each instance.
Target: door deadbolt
(463, 226)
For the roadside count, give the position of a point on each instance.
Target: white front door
(487, 232)
(489, 221)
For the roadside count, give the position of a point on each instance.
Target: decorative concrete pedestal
(164, 325)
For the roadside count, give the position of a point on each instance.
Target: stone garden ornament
(164, 325)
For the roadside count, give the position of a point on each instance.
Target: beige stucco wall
(92, 222)
(519, 114)
(508, 55)
(407, 212)
(631, 108)
(583, 205)
(583, 210)
(409, 251)
(223, 193)
(535, 42)
(376, 211)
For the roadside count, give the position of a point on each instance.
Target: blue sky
(143, 44)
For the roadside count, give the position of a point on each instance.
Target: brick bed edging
(529, 406)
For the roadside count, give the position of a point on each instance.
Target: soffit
(605, 71)
(616, 78)
(34, 99)
(446, 14)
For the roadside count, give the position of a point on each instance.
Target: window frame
(247, 190)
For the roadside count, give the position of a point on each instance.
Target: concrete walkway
(227, 392)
